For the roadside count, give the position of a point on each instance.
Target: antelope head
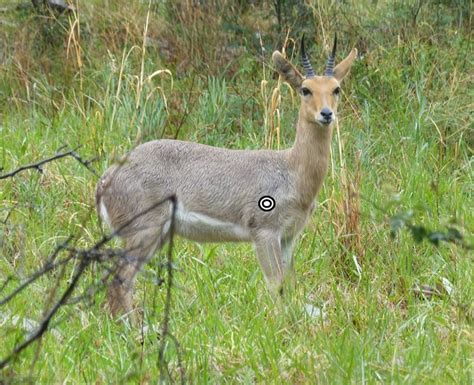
(319, 94)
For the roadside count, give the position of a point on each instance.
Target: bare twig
(38, 165)
(188, 109)
(86, 257)
(50, 265)
(166, 317)
(44, 324)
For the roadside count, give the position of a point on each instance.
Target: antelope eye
(305, 91)
(337, 91)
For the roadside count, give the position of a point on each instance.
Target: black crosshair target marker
(266, 203)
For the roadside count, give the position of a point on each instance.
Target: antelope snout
(326, 115)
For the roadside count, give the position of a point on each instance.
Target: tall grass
(114, 74)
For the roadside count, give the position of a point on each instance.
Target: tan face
(319, 94)
(319, 98)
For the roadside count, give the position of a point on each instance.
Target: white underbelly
(203, 228)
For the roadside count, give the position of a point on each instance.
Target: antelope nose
(326, 113)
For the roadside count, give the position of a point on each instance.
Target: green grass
(406, 115)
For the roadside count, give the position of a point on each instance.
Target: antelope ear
(289, 73)
(342, 69)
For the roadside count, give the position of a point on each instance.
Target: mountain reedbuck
(259, 196)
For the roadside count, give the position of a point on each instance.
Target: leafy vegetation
(109, 75)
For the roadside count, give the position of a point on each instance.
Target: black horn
(308, 69)
(330, 64)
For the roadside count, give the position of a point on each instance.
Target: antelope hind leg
(140, 247)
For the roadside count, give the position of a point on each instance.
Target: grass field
(115, 74)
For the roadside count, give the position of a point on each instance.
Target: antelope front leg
(268, 249)
(288, 265)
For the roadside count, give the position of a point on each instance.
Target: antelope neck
(309, 157)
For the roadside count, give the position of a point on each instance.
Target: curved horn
(308, 69)
(330, 64)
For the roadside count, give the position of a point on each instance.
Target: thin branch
(44, 324)
(187, 111)
(50, 265)
(38, 165)
(166, 317)
(86, 258)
